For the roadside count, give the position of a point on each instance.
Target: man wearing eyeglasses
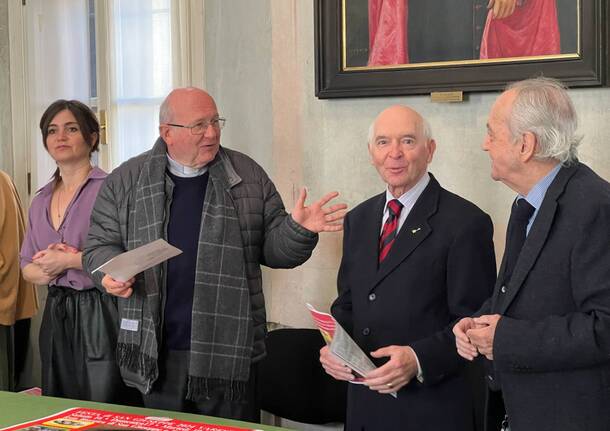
(193, 328)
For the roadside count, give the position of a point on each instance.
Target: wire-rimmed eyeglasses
(202, 126)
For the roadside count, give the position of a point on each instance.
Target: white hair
(426, 130)
(543, 107)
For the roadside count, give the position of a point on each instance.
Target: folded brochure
(342, 345)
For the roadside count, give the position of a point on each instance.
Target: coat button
(366, 331)
(372, 297)
(503, 289)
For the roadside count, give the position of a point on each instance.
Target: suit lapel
(536, 238)
(371, 239)
(413, 231)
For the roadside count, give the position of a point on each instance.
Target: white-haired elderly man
(546, 328)
(416, 257)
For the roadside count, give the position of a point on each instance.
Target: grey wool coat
(269, 235)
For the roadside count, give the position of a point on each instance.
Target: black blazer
(552, 345)
(441, 267)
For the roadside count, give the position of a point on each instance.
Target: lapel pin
(414, 231)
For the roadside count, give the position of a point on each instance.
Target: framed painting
(399, 47)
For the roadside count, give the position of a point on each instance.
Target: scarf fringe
(202, 388)
(130, 357)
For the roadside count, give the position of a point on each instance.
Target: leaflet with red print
(89, 419)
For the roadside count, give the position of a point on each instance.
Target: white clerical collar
(180, 170)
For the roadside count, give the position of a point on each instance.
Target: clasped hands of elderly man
(475, 335)
(316, 218)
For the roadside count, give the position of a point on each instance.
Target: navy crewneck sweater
(182, 232)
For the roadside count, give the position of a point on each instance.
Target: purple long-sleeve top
(72, 231)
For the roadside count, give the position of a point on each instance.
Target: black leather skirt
(78, 338)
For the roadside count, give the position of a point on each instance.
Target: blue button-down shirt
(537, 193)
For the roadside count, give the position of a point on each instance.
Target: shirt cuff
(420, 373)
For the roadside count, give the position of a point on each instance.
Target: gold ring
(389, 385)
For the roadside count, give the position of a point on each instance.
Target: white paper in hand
(132, 262)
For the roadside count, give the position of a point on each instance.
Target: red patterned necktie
(388, 234)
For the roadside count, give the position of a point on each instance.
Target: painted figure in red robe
(388, 32)
(521, 28)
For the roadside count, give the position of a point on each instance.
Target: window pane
(142, 52)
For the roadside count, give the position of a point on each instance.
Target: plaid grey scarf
(222, 331)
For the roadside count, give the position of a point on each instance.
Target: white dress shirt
(407, 200)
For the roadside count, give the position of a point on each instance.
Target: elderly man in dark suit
(415, 258)
(546, 328)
